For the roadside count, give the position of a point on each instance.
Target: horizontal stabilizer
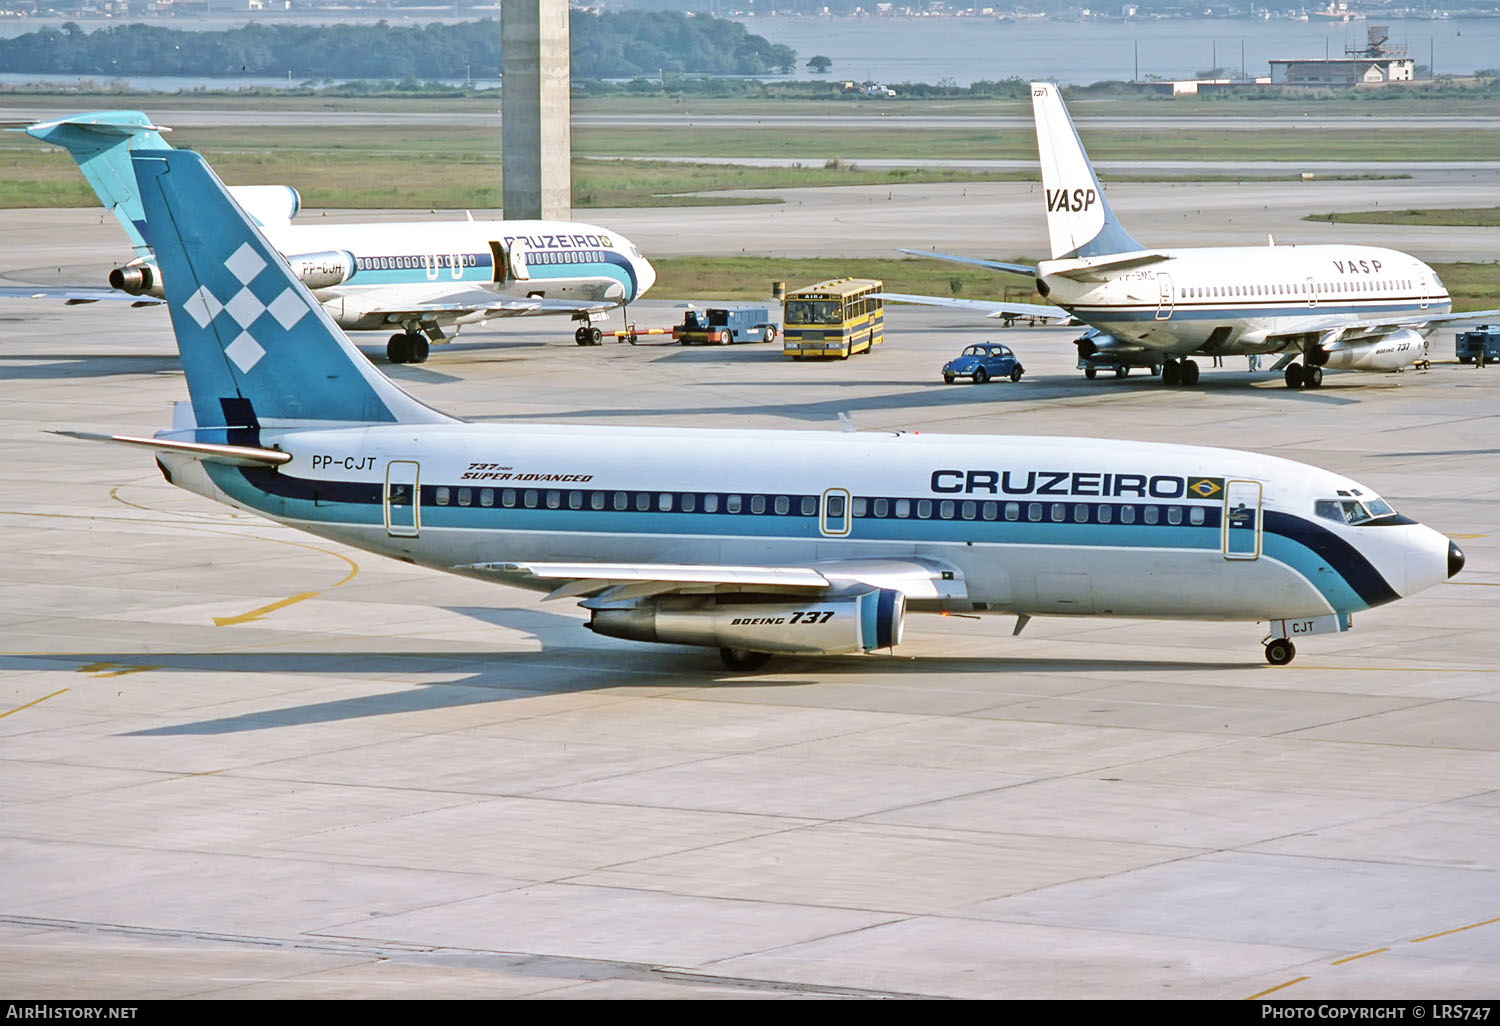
(990, 308)
(234, 455)
(1101, 268)
(74, 294)
(101, 143)
(994, 265)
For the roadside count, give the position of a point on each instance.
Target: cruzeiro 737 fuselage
(752, 542)
(1023, 525)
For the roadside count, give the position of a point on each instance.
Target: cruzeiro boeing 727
(752, 542)
(419, 277)
(1355, 307)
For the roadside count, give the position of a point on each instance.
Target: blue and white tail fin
(1079, 219)
(101, 143)
(257, 349)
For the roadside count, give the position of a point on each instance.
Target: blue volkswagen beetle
(983, 361)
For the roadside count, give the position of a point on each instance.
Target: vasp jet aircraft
(1356, 307)
(420, 277)
(752, 542)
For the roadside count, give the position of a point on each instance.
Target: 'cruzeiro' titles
(1062, 482)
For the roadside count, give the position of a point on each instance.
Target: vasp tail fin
(1079, 219)
(256, 348)
(101, 142)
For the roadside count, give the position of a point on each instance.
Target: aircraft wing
(1339, 331)
(989, 308)
(75, 294)
(467, 299)
(994, 265)
(916, 577)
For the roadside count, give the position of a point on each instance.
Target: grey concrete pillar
(536, 139)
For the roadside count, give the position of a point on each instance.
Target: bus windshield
(809, 311)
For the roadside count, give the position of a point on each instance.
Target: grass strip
(1477, 217)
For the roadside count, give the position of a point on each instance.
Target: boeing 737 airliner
(418, 277)
(752, 542)
(1355, 307)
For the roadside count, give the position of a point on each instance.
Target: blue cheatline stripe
(604, 264)
(1183, 311)
(1301, 544)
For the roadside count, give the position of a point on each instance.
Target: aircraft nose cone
(1455, 559)
(645, 276)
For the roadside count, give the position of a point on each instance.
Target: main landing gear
(407, 347)
(1298, 376)
(1179, 372)
(743, 659)
(588, 335)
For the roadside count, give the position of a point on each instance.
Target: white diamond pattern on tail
(245, 308)
(202, 306)
(288, 308)
(245, 352)
(245, 264)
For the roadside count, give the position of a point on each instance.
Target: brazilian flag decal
(1206, 487)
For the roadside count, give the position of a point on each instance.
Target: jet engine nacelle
(1389, 353)
(323, 270)
(1096, 343)
(832, 625)
(136, 279)
(267, 204)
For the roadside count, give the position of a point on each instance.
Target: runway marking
(1377, 951)
(1461, 929)
(1273, 990)
(257, 613)
(114, 493)
(28, 705)
(104, 669)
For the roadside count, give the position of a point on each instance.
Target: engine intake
(830, 625)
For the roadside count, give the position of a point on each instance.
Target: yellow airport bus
(833, 318)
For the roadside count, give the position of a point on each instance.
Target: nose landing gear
(1280, 651)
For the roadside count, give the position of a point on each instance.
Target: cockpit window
(1352, 511)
